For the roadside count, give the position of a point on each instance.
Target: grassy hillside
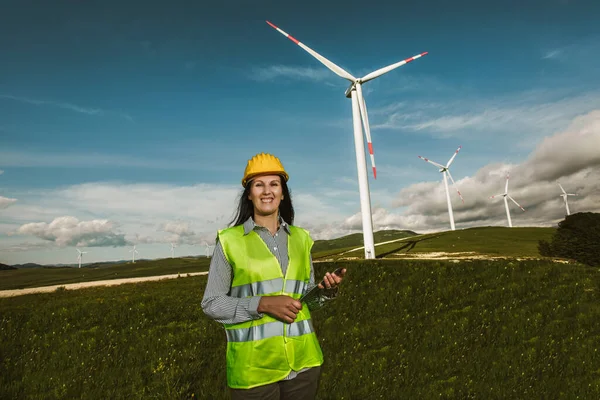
(323, 247)
(34, 277)
(399, 329)
(491, 241)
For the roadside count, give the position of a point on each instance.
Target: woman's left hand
(332, 280)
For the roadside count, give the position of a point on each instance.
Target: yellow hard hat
(263, 164)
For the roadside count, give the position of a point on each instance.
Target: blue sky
(123, 122)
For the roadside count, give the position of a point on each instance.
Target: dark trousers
(302, 387)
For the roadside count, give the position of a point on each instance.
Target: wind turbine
(359, 112)
(446, 173)
(505, 195)
(133, 251)
(80, 256)
(564, 195)
(173, 250)
(208, 249)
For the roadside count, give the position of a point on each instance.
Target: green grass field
(399, 329)
(34, 277)
(489, 241)
(354, 240)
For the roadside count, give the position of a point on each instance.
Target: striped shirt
(218, 305)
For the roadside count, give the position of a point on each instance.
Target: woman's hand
(284, 308)
(332, 280)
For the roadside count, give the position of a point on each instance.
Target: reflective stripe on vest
(257, 288)
(269, 330)
(268, 287)
(293, 286)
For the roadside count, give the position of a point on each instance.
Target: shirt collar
(250, 225)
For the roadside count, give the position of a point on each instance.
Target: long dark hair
(245, 208)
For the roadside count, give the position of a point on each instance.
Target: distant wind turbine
(564, 195)
(446, 173)
(133, 251)
(360, 119)
(505, 195)
(208, 249)
(80, 256)
(173, 250)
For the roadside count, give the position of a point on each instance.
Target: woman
(260, 268)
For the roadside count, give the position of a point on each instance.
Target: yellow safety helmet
(263, 164)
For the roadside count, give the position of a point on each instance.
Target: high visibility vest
(266, 350)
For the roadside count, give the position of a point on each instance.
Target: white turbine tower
(208, 249)
(446, 173)
(173, 250)
(359, 112)
(505, 195)
(133, 252)
(80, 256)
(564, 195)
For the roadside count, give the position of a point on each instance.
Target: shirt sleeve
(216, 303)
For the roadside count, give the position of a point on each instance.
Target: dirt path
(83, 285)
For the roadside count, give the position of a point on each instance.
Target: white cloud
(180, 232)
(145, 213)
(66, 106)
(44, 159)
(571, 157)
(579, 54)
(190, 215)
(6, 202)
(291, 72)
(1, 172)
(535, 113)
(552, 54)
(168, 159)
(69, 231)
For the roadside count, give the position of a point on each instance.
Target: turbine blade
(453, 156)
(365, 120)
(333, 67)
(514, 201)
(571, 194)
(387, 69)
(431, 162)
(454, 184)
(561, 188)
(506, 187)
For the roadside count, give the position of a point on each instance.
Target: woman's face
(266, 194)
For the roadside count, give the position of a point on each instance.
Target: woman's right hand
(284, 308)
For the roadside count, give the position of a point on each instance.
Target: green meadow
(485, 241)
(412, 329)
(34, 277)
(491, 241)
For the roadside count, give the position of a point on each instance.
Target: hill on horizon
(478, 242)
(4, 267)
(356, 239)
